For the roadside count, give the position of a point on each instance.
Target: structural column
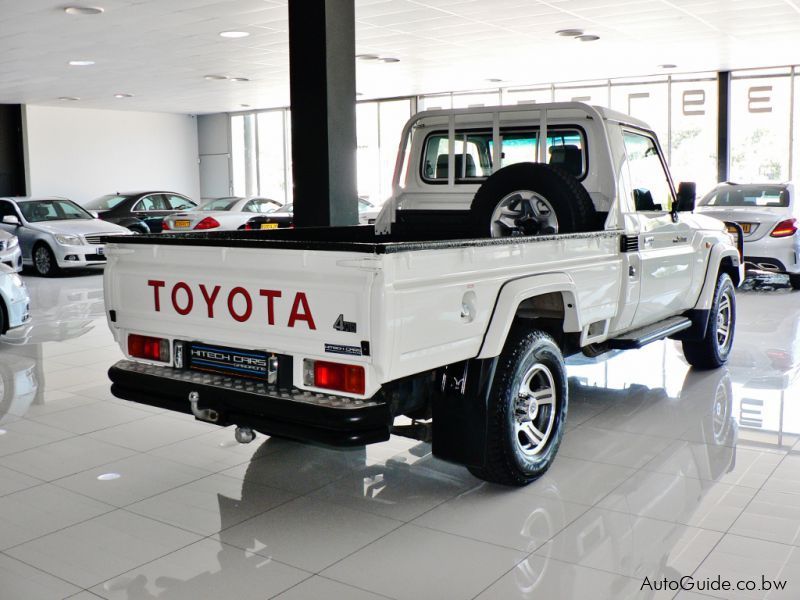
(323, 92)
(723, 126)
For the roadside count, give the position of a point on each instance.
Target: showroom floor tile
(664, 472)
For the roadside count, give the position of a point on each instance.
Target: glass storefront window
(648, 102)
(393, 115)
(271, 165)
(596, 95)
(528, 96)
(367, 153)
(693, 137)
(759, 136)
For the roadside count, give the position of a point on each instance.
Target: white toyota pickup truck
(515, 236)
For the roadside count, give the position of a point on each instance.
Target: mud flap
(460, 409)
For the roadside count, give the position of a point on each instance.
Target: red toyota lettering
(156, 285)
(240, 291)
(296, 315)
(270, 295)
(189, 298)
(210, 299)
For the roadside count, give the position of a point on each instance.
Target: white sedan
(768, 215)
(222, 214)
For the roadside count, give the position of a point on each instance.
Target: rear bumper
(305, 416)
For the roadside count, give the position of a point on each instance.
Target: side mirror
(11, 220)
(687, 194)
(94, 214)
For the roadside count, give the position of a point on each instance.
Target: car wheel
(3, 318)
(531, 199)
(794, 281)
(44, 261)
(527, 410)
(712, 351)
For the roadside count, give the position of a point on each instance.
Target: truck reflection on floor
(413, 481)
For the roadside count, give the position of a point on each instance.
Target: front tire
(713, 350)
(44, 261)
(527, 410)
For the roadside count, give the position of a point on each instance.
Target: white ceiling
(160, 50)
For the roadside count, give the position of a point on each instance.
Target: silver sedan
(55, 233)
(222, 214)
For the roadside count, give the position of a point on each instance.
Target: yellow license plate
(183, 224)
(269, 226)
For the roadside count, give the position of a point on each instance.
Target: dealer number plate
(269, 226)
(183, 224)
(229, 361)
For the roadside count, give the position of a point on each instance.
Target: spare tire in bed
(531, 199)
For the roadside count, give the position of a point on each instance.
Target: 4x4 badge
(342, 325)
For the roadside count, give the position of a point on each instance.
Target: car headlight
(13, 243)
(68, 240)
(16, 280)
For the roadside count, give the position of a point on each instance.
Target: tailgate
(303, 303)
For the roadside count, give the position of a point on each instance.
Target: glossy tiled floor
(663, 472)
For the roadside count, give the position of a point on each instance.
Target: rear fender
(514, 293)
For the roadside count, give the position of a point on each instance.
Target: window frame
(503, 130)
(136, 208)
(651, 135)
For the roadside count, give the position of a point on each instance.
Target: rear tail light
(207, 223)
(785, 228)
(165, 226)
(334, 376)
(150, 348)
(248, 227)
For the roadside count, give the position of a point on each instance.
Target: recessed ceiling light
(588, 38)
(3, 432)
(245, 105)
(108, 476)
(123, 95)
(234, 34)
(68, 98)
(668, 66)
(215, 77)
(359, 94)
(81, 63)
(84, 10)
(238, 79)
(367, 56)
(569, 32)
(389, 59)
(493, 79)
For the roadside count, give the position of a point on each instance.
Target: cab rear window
(473, 152)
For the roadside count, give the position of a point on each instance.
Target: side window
(472, 157)
(648, 179)
(251, 206)
(151, 202)
(179, 203)
(518, 147)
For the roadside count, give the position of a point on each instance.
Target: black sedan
(141, 212)
(278, 219)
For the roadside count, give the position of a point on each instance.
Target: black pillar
(724, 126)
(323, 92)
(12, 157)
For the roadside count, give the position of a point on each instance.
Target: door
(666, 252)
(152, 209)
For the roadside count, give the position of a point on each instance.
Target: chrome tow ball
(203, 414)
(245, 435)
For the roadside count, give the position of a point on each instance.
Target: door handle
(680, 239)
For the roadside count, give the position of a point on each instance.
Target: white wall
(213, 133)
(85, 153)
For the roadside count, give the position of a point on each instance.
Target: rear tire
(794, 281)
(713, 350)
(527, 409)
(531, 199)
(44, 261)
